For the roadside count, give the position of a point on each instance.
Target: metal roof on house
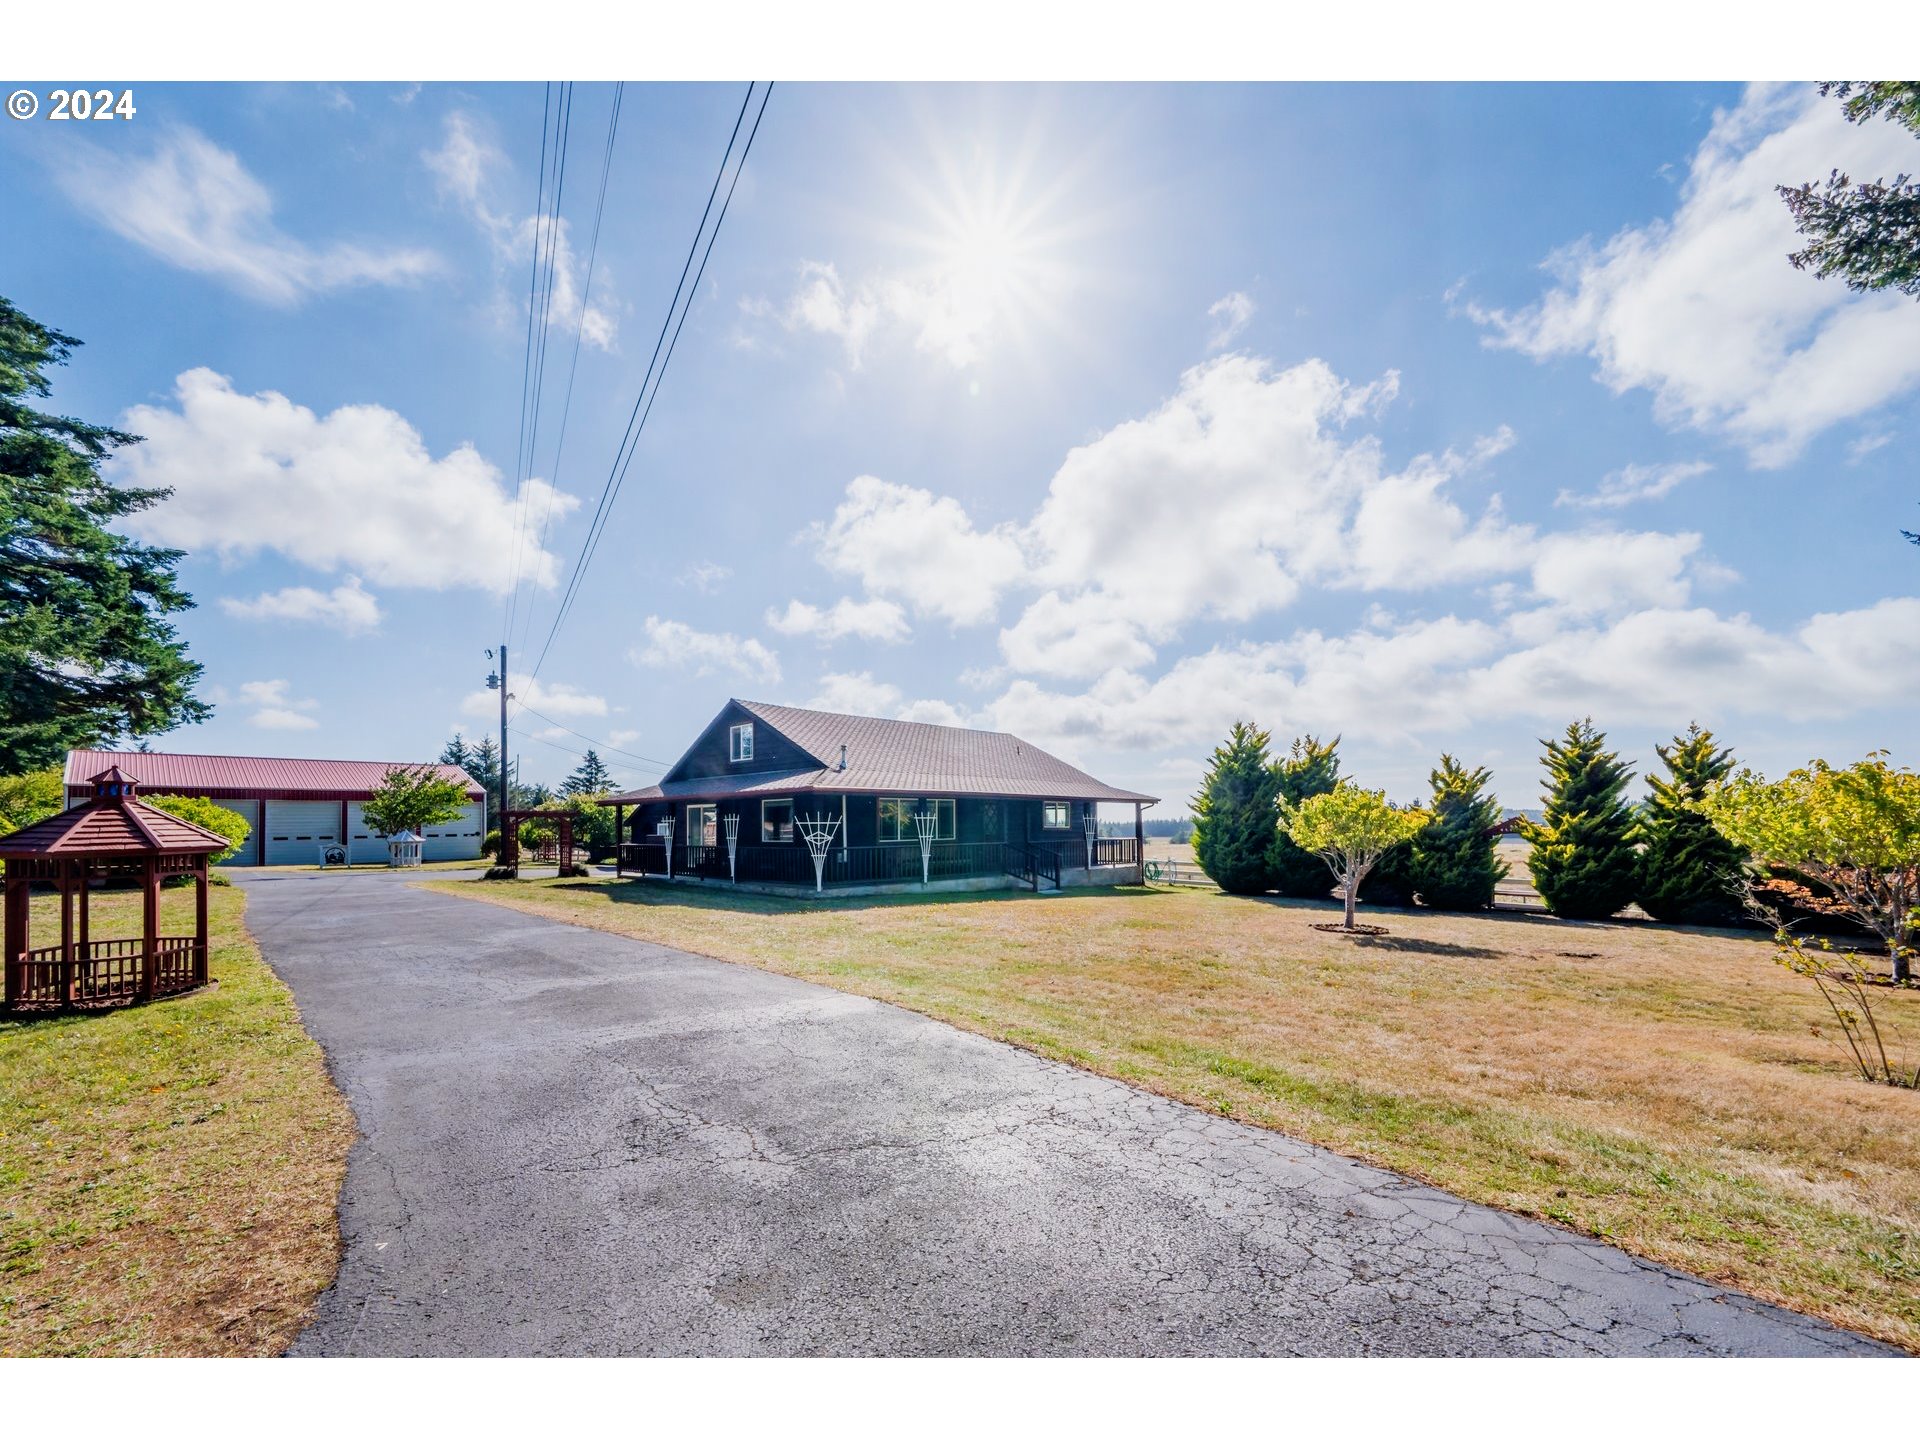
(235, 776)
(895, 757)
(115, 825)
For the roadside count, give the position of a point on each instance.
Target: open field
(168, 1173)
(1663, 1089)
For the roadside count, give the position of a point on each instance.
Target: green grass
(168, 1173)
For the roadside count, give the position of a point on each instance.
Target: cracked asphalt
(578, 1144)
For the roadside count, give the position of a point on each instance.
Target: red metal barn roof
(238, 776)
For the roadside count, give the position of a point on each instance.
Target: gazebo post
(69, 977)
(86, 906)
(200, 942)
(16, 932)
(149, 926)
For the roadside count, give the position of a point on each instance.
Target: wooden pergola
(113, 837)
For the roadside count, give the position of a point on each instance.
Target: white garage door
(364, 845)
(249, 811)
(455, 840)
(296, 829)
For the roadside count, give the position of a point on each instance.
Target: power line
(579, 333)
(546, 235)
(598, 744)
(643, 402)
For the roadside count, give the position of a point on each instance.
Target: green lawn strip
(169, 1171)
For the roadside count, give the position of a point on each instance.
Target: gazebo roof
(112, 823)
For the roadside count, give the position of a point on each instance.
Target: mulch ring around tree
(1354, 929)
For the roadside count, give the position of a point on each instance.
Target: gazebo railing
(108, 970)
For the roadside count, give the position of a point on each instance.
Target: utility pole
(498, 681)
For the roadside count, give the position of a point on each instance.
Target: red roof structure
(243, 776)
(113, 837)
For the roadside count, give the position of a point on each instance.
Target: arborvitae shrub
(1583, 861)
(1235, 818)
(1455, 863)
(1309, 768)
(1689, 872)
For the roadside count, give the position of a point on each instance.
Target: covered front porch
(870, 842)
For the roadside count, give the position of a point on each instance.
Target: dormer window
(740, 744)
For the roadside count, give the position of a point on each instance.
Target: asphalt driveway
(578, 1144)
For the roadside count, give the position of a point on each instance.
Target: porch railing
(793, 865)
(104, 971)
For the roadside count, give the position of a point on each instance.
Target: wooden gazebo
(114, 836)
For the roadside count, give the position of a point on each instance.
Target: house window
(739, 744)
(702, 827)
(1056, 815)
(776, 822)
(897, 824)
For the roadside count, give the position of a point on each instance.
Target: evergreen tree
(1235, 818)
(456, 751)
(483, 764)
(1455, 860)
(1689, 872)
(590, 777)
(1583, 861)
(86, 653)
(1389, 881)
(1309, 768)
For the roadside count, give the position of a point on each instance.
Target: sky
(1431, 416)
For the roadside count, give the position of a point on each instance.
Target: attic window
(740, 743)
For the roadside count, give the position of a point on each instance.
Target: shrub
(30, 798)
(1583, 861)
(1234, 818)
(1455, 860)
(1350, 829)
(1390, 881)
(1310, 768)
(1689, 873)
(198, 810)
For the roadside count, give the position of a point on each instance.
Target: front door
(702, 830)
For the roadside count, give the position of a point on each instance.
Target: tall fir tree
(590, 777)
(1583, 860)
(456, 751)
(86, 652)
(1309, 768)
(1455, 862)
(1235, 817)
(1689, 872)
(483, 764)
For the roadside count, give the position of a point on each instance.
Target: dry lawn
(1668, 1090)
(168, 1173)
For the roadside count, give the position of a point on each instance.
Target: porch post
(1139, 843)
(619, 839)
(200, 942)
(149, 925)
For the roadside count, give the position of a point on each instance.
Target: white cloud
(196, 206)
(1077, 638)
(918, 548)
(862, 619)
(356, 490)
(1660, 665)
(1859, 449)
(942, 313)
(346, 608)
(1702, 308)
(1601, 571)
(1230, 314)
(855, 694)
(552, 699)
(858, 693)
(706, 576)
(671, 644)
(1633, 483)
(275, 707)
(463, 166)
